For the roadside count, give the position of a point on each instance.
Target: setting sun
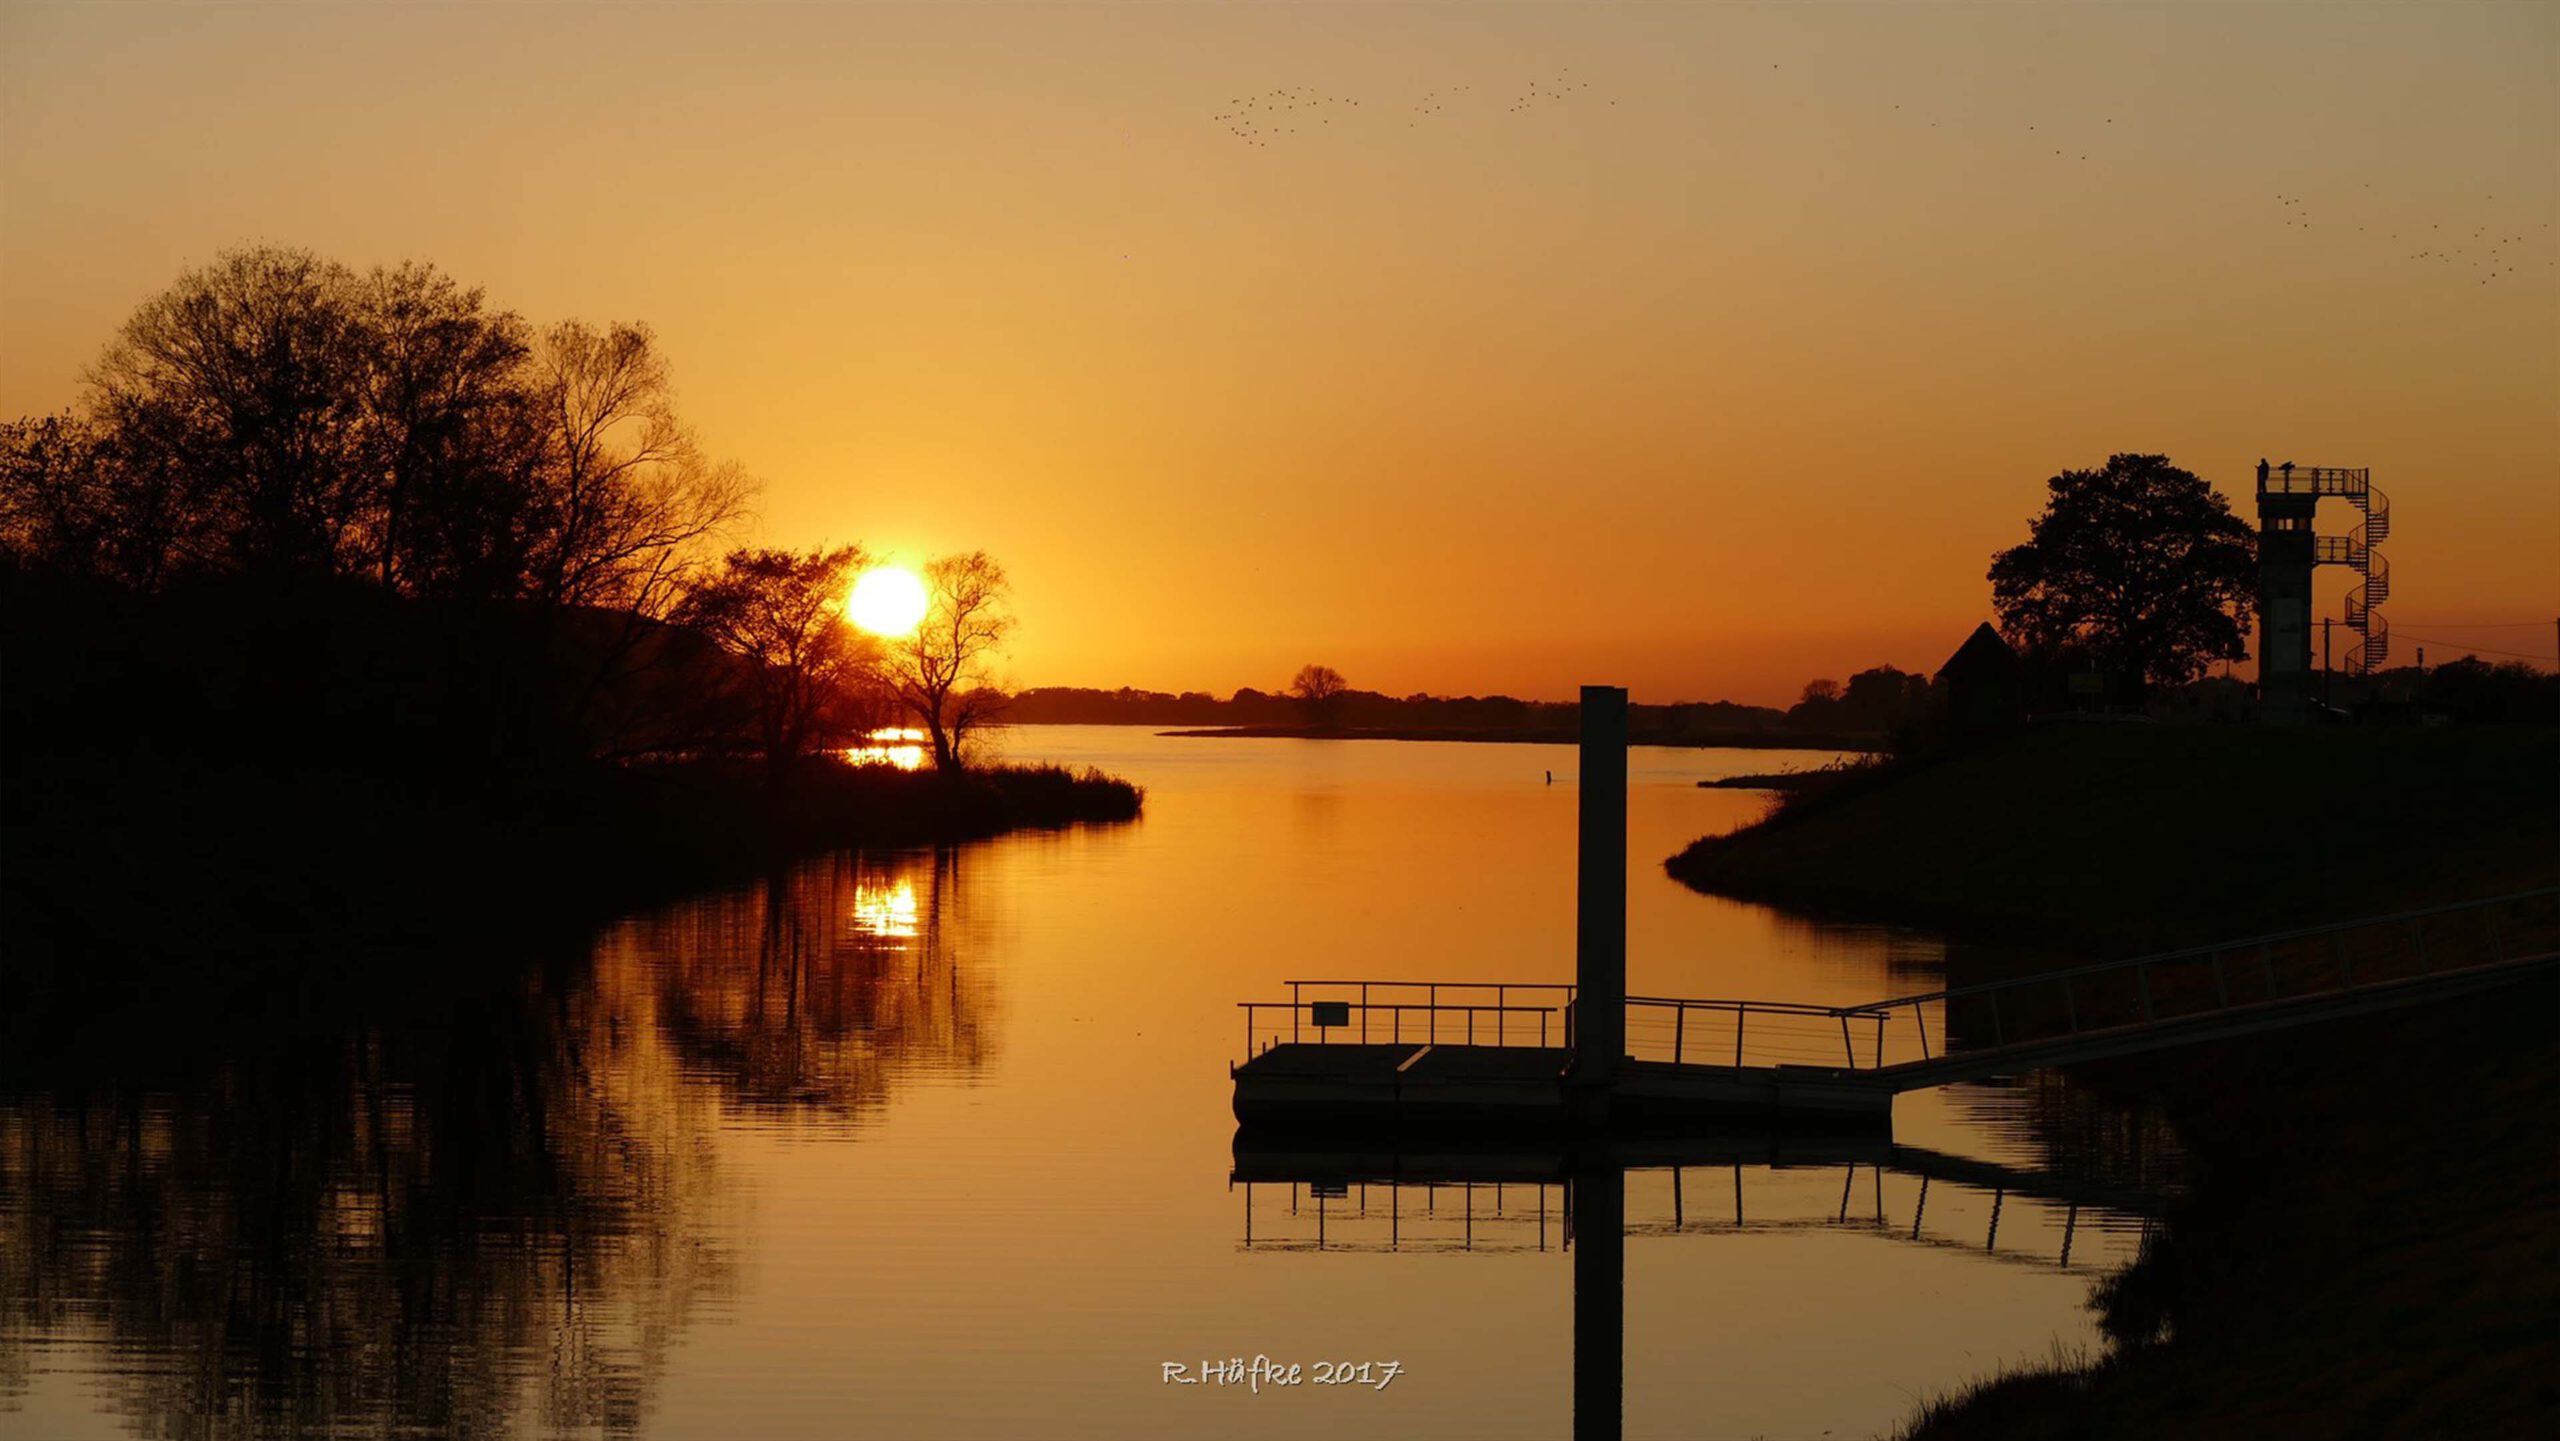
(887, 601)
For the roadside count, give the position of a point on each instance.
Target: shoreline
(2337, 1201)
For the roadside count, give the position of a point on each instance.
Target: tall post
(1600, 899)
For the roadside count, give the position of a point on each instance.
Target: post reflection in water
(498, 1219)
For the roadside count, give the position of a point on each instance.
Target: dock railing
(1374, 1012)
(2047, 1006)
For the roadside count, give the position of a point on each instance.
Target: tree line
(519, 509)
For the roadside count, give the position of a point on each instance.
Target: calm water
(937, 1144)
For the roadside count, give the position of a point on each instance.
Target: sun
(887, 601)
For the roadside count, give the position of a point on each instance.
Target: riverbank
(2369, 1247)
(2111, 839)
(1563, 735)
(155, 905)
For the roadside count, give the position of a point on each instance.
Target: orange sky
(1722, 357)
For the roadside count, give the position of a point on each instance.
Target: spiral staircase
(2359, 551)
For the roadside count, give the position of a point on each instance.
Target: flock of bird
(2491, 257)
(1260, 119)
(1257, 119)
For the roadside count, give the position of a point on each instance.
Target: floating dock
(1417, 1060)
(1462, 1088)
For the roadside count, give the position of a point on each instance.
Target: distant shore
(2367, 1248)
(1554, 735)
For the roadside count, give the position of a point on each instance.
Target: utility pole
(2327, 687)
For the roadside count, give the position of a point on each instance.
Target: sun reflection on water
(886, 909)
(899, 746)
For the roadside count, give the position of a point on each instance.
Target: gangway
(1460, 1057)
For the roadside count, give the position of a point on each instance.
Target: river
(927, 1144)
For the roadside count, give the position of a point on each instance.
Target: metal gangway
(2238, 987)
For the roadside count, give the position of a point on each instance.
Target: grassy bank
(2113, 838)
(153, 904)
(2369, 1248)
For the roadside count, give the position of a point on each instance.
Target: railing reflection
(1901, 1193)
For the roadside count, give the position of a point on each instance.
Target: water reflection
(508, 1216)
(917, 1145)
(899, 746)
(1509, 1201)
(812, 995)
(498, 1219)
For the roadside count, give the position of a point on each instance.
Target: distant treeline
(1370, 711)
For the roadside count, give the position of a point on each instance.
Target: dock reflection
(1299, 1196)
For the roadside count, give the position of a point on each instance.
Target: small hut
(1985, 684)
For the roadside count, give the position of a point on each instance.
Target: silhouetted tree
(1882, 698)
(624, 492)
(274, 412)
(783, 612)
(2140, 563)
(240, 392)
(1318, 690)
(941, 672)
(454, 434)
(2472, 689)
(58, 506)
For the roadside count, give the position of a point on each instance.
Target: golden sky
(1700, 348)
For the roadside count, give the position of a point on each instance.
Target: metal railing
(2202, 980)
(1687, 1031)
(2314, 480)
(1373, 1012)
